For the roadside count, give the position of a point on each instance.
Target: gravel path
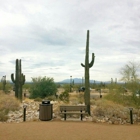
(69, 130)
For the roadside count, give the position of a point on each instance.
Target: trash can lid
(45, 102)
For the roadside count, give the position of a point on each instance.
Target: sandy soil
(67, 130)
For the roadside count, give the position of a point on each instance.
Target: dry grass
(7, 104)
(105, 108)
(76, 98)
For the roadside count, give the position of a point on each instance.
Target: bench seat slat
(73, 110)
(73, 113)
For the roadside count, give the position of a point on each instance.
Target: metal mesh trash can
(45, 111)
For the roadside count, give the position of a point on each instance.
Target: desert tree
(129, 72)
(130, 75)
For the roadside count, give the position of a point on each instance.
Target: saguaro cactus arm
(82, 65)
(12, 78)
(92, 61)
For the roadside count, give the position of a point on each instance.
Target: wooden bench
(73, 110)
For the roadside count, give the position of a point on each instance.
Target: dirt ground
(67, 130)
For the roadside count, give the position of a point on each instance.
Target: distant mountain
(77, 81)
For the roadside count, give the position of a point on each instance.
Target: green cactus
(19, 80)
(87, 66)
(115, 80)
(111, 80)
(3, 80)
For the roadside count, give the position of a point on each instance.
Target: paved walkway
(69, 130)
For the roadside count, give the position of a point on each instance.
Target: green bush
(42, 87)
(64, 96)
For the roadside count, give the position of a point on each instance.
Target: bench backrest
(73, 108)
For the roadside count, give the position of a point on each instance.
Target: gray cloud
(50, 36)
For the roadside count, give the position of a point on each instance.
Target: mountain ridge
(80, 81)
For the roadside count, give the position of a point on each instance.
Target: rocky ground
(99, 113)
(32, 112)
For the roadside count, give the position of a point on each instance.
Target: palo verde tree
(19, 80)
(87, 66)
(129, 72)
(42, 87)
(130, 76)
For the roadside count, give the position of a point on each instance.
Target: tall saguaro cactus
(3, 80)
(87, 66)
(19, 80)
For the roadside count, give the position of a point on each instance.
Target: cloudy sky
(49, 36)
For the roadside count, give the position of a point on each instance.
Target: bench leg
(81, 117)
(65, 117)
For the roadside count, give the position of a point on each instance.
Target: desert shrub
(42, 87)
(109, 108)
(3, 116)
(51, 98)
(38, 99)
(73, 100)
(115, 97)
(92, 101)
(66, 87)
(7, 104)
(81, 98)
(124, 98)
(64, 96)
(105, 90)
(76, 98)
